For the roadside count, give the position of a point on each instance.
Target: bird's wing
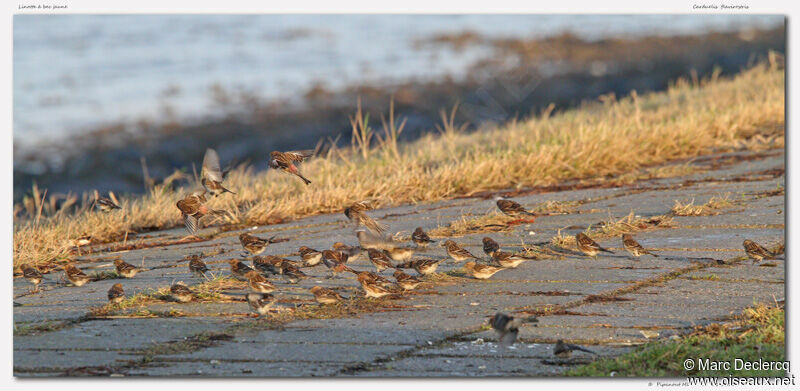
(211, 168)
(191, 223)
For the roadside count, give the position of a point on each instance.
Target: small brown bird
(423, 266)
(254, 245)
(33, 275)
(285, 161)
(197, 266)
(509, 260)
(490, 246)
(633, 247)
(375, 277)
(373, 288)
(335, 261)
(400, 254)
(310, 256)
(239, 270)
(589, 246)
(756, 251)
(353, 253)
(116, 294)
(325, 295)
(406, 281)
(356, 214)
(291, 273)
(76, 276)
(380, 260)
(457, 252)
(211, 174)
(481, 271)
(258, 283)
(565, 350)
(506, 327)
(420, 238)
(125, 269)
(513, 209)
(260, 302)
(181, 293)
(192, 209)
(105, 205)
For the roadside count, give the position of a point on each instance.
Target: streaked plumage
(490, 246)
(116, 294)
(106, 204)
(267, 264)
(197, 266)
(260, 302)
(211, 174)
(380, 260)
(356, 214)
(633, 247)
(291, 273)
(192, 209)
(420, 238)
(325, 295)
(373, 288)
(285, 161)
(423, 266)
(310, 256)
(406, 281)
(353, 253)
(456, 252)
(125, 269)
(756, 251)
(335, 261)
(32, 274)
(257, 283)
(76, 276)
(381, 280)
(588, 246)
(239, 270)
(254, 245)
(562, 349)
(509, 260)
(181, 293)
(481, 271)
(513, 209)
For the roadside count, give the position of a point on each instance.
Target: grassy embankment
(610, 137)
(759, 333)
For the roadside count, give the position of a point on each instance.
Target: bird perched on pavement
(76, 276)
(564, 350)
(420, 238)
(756, 251)
(481, 271)
(456, 252)
(633, 247)
(588, 246)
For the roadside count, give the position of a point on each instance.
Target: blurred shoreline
(516, 78)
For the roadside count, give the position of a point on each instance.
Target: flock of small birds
(383, 252)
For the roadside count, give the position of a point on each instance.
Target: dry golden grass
(611, 228)
(608, 138)
(710, 208)
(492, 222)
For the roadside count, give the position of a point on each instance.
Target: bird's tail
(583, 349)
